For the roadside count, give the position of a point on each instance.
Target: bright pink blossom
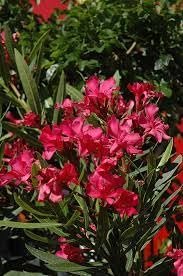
(177, 255)
(49, 185)
(52, 182)
(152, 124)
(122, 137)
(51, 140)
(70, 252)
(143, 92)
(126, 203)
(67, 106)
(31, 119)
(104, 185)
(98, 96)
(20, 169)
(85, 136)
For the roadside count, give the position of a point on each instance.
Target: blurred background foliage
(141, 39)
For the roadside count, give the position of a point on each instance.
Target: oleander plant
(86, 172)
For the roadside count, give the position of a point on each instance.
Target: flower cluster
(103, 129)
(177, 255)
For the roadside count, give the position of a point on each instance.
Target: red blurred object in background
(45, 8)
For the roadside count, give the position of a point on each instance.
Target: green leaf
(2, 145)
(9, 42)
(42, 161)
(28, 225)
(84, 207)
(129, 260)
(28, 208)
(75, 94)
(20, 132)
(38, 45)
(24, 273)
(102, 227)
(73, 218)
(55, 230)
(162, 62)
(59, 96)
(55, 263)
(165, 88)
(3, 66)
(117, 77)
(28, 83)
(36, 237)
(158, 267)
(166, 155)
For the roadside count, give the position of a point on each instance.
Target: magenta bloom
(104, 185)
(152, 124)
(53, 182)
(98, 90)
(31, 119)
(177, 255)
(51, 140)
(85, 136)
(98, 96)
(122, 138)
(143, 92)
(126, 203)
(20, 169)
(69, 252)
(49, 186)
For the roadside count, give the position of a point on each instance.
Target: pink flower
(126, 202)
(104, 185)
(68, 174)
(122, 138)
(49, 185)
(67, 106)
(98, 95)
(51, 140)
(85, 136)
(70, 252)
(12, 119)
(20, 169)
(177, 255)
(143, 92)
(100, 90)
(31, 119)
(52, 182)
(152, 124)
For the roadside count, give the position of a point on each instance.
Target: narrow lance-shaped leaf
(3, 66)
(38, 45)
(9, 42)
(22, 134)
(28, 83)
(36, 237)
(25, 206)
(60, 264)
(59, 96)
(29, 225)
(166, 155)
(74, 93)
